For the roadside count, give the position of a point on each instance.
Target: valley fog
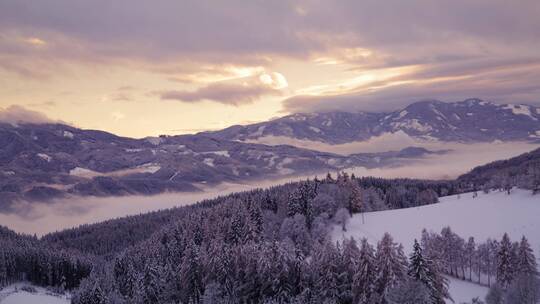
(42, 218)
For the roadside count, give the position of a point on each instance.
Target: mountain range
(471, 120)
(39, 162)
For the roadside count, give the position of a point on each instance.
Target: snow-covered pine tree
(470, 254)
(505, 271)
(191, 276)
(365, 274)
(426, 272)
(300, 201)
(391, 265)
(355, 203)
(526, 261)
(418, 268)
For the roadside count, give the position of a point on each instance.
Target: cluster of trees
(332, 193)
(509, 268)
(265, 246)
(24, 258)
(270, 272)
(494, 261)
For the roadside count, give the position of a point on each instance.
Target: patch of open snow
(156, 141)
(297, 117)
(68, 134)
(83, 172)
(173, 176)
(220, 153)
(133, 150)
(412, 124)
(332, 161)
(314, 129)
(401, 114)
(465, 291)
(8, 173)
(281, 166)
(457, 116)
(328, 123)
(146, 168)
(209, 162)
(259, 132)
(45, 157)
(470, 114)
(487, 216)
(520, 110)
(437, 112)
(13, 294)
(272, 160)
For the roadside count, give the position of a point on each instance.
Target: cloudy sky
(141, 68)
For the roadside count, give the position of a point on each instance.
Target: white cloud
(17, 114)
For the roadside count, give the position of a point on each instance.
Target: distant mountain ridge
(44, 161)
(40, 162)
(471, 120)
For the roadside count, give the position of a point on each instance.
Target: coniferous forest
(267, 246)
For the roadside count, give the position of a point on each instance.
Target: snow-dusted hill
(486, 216)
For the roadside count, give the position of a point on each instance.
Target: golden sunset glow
(166, 79)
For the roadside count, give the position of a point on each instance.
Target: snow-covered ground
(465, 291)
(486, 216)
(13, 294)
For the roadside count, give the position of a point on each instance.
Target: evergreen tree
(191, 276)
(425, 271)
(391, 265)
(470, 252)
(365, 274)
(418, 268)
(301, 201)
(505, 271)
(526, 261)
(355, 203)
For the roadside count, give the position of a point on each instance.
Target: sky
(143, 68)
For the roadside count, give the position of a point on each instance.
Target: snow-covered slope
(487, 216)
(14, 295)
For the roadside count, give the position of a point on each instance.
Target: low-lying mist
(42, 218)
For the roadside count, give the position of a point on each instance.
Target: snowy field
(487, 216)
(14, 295)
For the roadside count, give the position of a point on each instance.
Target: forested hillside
(377, 193)
(262, 246)
(522, 171)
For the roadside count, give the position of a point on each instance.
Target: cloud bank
(16, 114)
